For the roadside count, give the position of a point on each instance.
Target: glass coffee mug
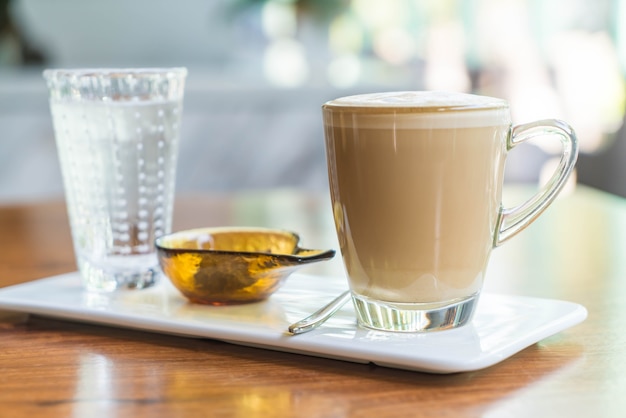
(416, 187)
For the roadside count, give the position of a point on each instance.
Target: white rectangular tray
(502, 325)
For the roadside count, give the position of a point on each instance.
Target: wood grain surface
(576, 251)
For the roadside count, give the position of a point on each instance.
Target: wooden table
(576, 252)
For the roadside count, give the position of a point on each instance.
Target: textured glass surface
(117, 134)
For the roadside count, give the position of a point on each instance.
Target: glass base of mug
(413, 317)
(99, 279)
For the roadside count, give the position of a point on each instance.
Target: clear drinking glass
(117, 135)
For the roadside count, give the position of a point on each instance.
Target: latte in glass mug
(416, 187)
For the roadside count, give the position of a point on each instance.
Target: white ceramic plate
(502, 325)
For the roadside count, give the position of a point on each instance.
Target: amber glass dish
(232, 265)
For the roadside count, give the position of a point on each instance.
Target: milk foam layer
(418, 110)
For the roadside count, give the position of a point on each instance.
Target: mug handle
(513, 220)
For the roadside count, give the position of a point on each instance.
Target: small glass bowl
(232, 265)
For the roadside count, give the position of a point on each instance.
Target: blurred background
(259, 71)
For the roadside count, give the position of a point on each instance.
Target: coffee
(416, 193)
(416, 185)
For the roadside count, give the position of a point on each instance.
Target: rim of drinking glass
(52, 73)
